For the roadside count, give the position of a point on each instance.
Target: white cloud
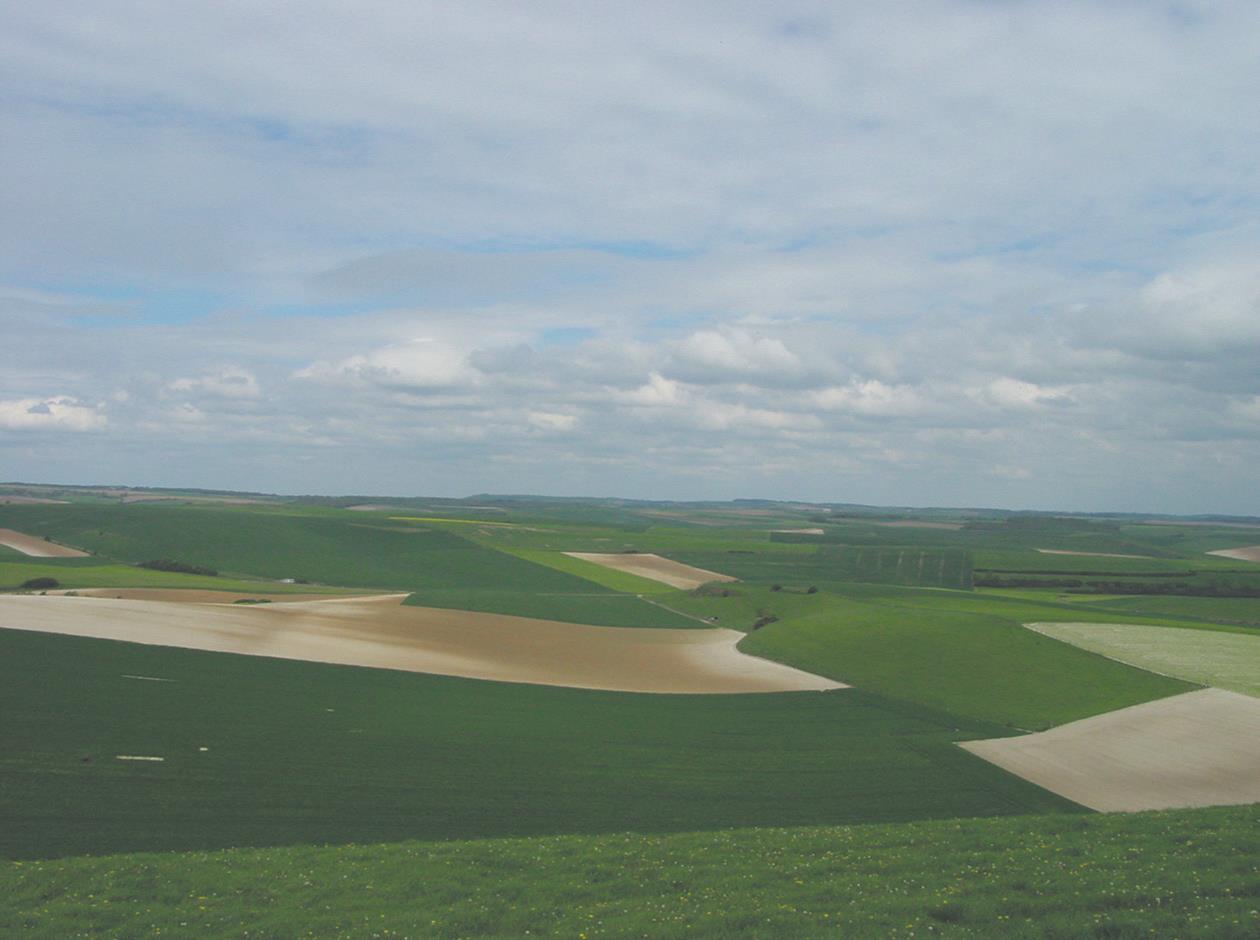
(658, 391)
(551, 421)
(871, 397)
(228, 383)
(55, 414)
(414, 365)
(1006, 392)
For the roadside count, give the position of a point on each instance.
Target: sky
(957, 253)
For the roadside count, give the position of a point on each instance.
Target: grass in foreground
(304, 752)
(1187, 874)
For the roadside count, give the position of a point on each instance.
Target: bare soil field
(37, 547)
(196, 595)
(1064, 551)
(801, 531)
(7, 500)
(1195, 749)
(378, 632)
(1250, 553)
(654, 567)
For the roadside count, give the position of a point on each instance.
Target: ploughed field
(265, 684)
(378, 631)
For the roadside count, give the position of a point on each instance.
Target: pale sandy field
(198, 595)
(801, 531)
(1250, 553)
(6, 500)
(1197, 749)
(379, 632)
(36, 547)
(1063, 551)
(1209, 657)
(654, 567)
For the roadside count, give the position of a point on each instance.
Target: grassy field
(1226, 610)
(321, 546)
(89, 573)
(603, 610)
(931, 567)
(590, 571)
(1208, 657)
(1188, 874)
(964, 652)
(979, 665)
(301, 752)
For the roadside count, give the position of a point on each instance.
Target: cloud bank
(945, 253)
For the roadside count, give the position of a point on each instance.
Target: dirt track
(655, 568)
(37, 547)
(379, 632)
(1250, 553)
(1196, 749)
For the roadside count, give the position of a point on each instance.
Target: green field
(1227, 610)
(614, 814)
(604, 610)
(1189, 874)
(1207, 657)
(319, 546)
(979, 665)
(90, 573)
(914, 565)
(302, 752)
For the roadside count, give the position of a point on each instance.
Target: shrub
(41, 584)
(166, 564)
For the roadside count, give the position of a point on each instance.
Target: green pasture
(1207, 657)
(604, 610)
(309, 753)
(1190, 874)
(1019, 562)
(590, 571)
(811, 564)
(1244, 611)
(1015, 533)
(659, 538)
(982, 665)
(90, 573)
(325, 546)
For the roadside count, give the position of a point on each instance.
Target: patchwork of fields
(142, 746)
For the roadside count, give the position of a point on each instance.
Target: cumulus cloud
(58, 414)
(418, 364)
(228, 383)
(871, 397)
(1006, 392)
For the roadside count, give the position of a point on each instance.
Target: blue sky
(946, 253)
